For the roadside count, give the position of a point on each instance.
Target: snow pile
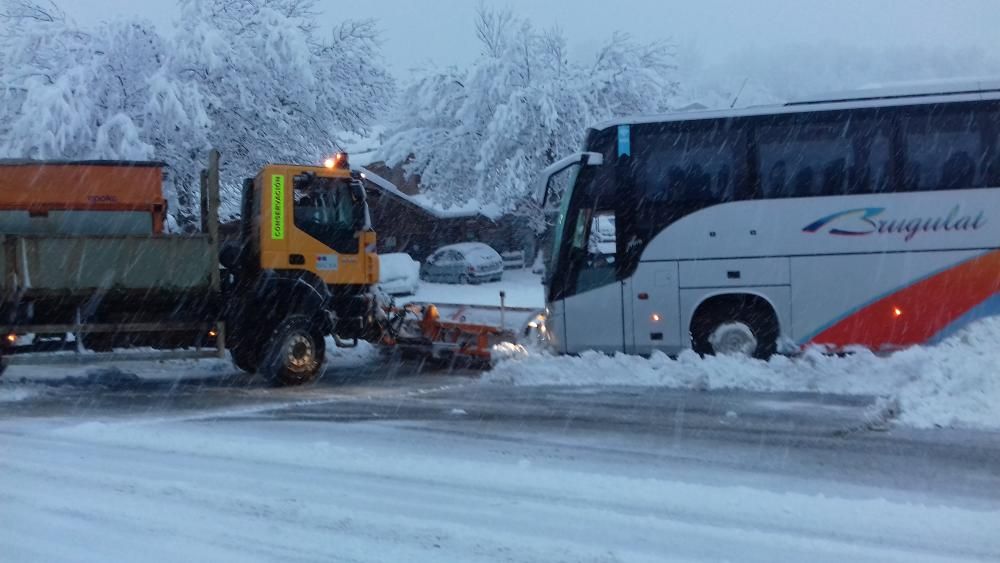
(953, 384)
(397, 266)
(523, 289)
(13, 394)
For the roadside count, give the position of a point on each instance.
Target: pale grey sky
(440, 31)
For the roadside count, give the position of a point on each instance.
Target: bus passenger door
(595, 320)
(653, 292)
(594, 317)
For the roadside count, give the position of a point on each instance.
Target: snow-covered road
(376, 467)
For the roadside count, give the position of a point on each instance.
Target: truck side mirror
(357, 191)
(359, 206)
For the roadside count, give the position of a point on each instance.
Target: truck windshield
(324, 210)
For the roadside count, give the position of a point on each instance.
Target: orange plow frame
(458, 331)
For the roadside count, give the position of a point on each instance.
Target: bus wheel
(735, 326)
(294, 355)
(733, 339)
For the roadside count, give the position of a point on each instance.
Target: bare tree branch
(48, 12)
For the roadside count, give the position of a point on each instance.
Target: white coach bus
(871, 220)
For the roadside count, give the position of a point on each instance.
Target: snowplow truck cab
(302, 268)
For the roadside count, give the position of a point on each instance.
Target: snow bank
(12, 394)
(523, 289)
(397, 266)
(954, 384)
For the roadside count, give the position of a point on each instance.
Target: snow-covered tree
(257, 79)
(484, 133)
(104, 94)
(275, 87)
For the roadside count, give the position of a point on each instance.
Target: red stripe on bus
(916, 314)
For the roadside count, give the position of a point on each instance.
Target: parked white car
(399, 274)
(469, 262)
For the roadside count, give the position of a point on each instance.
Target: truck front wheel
(295, 352)
(245, 356)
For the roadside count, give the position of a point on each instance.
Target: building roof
(389, 188)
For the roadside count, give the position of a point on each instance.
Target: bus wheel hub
(733, 339)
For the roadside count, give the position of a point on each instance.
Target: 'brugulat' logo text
(873, 221)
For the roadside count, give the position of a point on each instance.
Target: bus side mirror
(591, 159)
(576, 159)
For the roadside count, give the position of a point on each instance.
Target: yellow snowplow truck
(301, 269)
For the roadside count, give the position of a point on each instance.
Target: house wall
(403, 227)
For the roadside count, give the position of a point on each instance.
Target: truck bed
(45, 266)
(84, 264)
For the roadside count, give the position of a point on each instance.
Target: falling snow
(385, 457)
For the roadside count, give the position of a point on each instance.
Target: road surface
(388, 462)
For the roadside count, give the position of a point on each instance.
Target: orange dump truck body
(91, 198)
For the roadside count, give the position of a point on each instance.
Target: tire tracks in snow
(414, 512)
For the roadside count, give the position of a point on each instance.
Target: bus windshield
(560, 221)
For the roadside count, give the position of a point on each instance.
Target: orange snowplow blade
(468, 331)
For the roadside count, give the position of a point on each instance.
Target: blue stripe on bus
(986, 309)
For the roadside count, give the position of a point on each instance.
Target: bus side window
(990, 132)
(945, 148)
(580, 232)
(600, 241)
(603, 240)
(691, 164)
(869, 173)
(774, 187)
(993, 171)
(823, 154)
